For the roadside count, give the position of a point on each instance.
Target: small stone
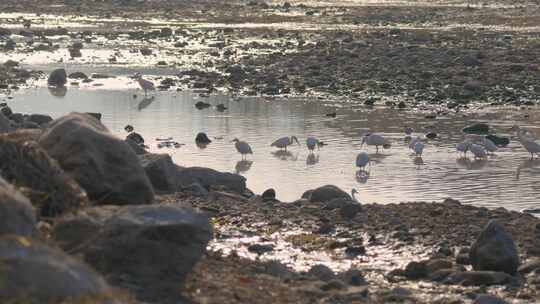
(416, 270)
(333, 285)
(488, 299)
(269, 195)
(321, 272)
(260, 248)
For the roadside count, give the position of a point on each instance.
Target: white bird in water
(528, 143)
(283, 142)
(463, 147)
(418, 148)
(489, 145)
(478, 151)
(312, 142)
(242, 147)
(146, 85)
(362, 160)
(374, 140)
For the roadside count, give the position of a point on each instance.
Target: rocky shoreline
(84, 197)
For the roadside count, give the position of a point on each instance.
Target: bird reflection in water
(362, 176)
(201, 145)
(418, 161)
(285, 155)
(476, 164)
(60, 91)
(529, 163)
(145, 102)
(312, 159)
(243, 166)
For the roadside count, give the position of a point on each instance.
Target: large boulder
(327, 193)
(494, 250)
(25, 164)
(161, 171)
(57, 78)
(5, 126)
(105, 166)
(210, 178)
(17, 215)
(151, 246)
(34, 273)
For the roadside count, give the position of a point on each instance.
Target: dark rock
(17, 117)
(209, 178)
(78, 75)
(95, 115)
(202, 138)
(260, 248)
(5, 126)
(326, 193)
(438, 264)
(355, 250)
(6, 111)
(136, 138)
(161, 171)
(494, 250)
(478, 128)
(74, 53)
(39, 119)
(202, 105)
(321, 272)
(499, 140)
(101, 76)
(416, 270)
(146, 51)
(137, 148)
(105, 166)
(463, 259)
(353, 277)
(35, 273)
(17, 216)
(529, 267)
(269, 195)
(138, 245)
(478, 278)
(350, 210)
(25, 164)
(236, 72)
(196, 189)
(57, 78)
(471, 61)
(4, 31)
(488, 299)
(333, 285)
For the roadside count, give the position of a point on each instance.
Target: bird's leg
(376, 149)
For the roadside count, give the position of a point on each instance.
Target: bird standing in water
(146, 85)
(283, 142)
(362, 160)
(242, 147)
(374, 140)
(312, 142)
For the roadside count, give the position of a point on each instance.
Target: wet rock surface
(17, 216)
(106, 167)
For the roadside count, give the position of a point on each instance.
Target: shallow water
(508, 179)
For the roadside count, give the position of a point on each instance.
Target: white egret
(489, 145)
(284, 142)
(418, 148)
(463, 147)
(478, 151)
(362, 160)
(242, 147)
(146, 85)
(529, 144)
(312, 142)
(353, 192)
(374, 140)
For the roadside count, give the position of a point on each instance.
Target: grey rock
(416, 270)
(161, 171)
(350, 210)
(17, 216)
(34, 271)
(326, 193)
(5, 126)
(25, 164)
(353, 277)
(137, 149)
(105, 166)
(333, 285)
(488, 299)
(530, 266)
(57, 78)
(196, 189)
(260, 248)
(209, 178)
(478, 278)
(269, 195)
(78, 75)
(202, 138)
(471, 61)
(138, 245)
(39, 119)
(494, 250)
(321, 272)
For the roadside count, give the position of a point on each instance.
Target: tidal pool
(508, 179)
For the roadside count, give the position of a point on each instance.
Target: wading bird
(362, 160)
(374, 140)
(463, 147)
(478, 151)
(489, 145)
(283, 142)
(312, 142)
(146, 85)
(418, 148)
(528, 143)
(242, 147)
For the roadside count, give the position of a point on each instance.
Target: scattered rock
(196, 189)
(326, 193)
(35, 272)
(416, 270)
(530, 266)
(202, 138)
(78, 75)
(353, 277)
(57, 78)
(39, 119)
(105, 166)
(478, 128)
(494, 250)
(350, 210)
(478, 278)
(161, 171)
(260, 248)
(17, 216)
(269, 195)
(321, 272)
(489, 299)
(209, 178)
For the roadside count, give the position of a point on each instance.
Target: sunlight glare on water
(395, 175)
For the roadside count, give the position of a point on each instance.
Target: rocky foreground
(90, 218)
